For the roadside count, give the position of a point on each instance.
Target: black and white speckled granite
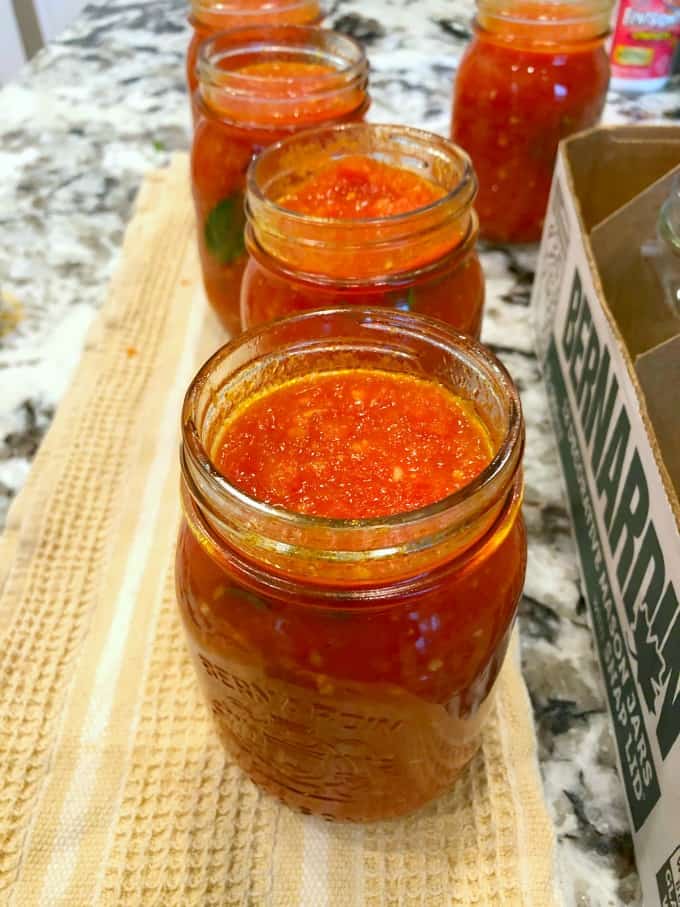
(78, 130)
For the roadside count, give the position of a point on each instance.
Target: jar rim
(343, 55)
(496, 475)
(548, 15)
(462, 193)
(237, 7)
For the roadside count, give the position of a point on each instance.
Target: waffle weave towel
(113, 787)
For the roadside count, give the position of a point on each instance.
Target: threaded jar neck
(363, 551)
(283, 76)
(549, 22)
(379, 250)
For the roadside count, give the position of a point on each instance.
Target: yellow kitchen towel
(114, 789)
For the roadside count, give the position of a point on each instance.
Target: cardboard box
(610, 351)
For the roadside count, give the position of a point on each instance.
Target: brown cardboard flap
(630, 282)
(658, 371)
(618, 427)
(611, 165)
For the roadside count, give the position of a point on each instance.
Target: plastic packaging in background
(644, 40)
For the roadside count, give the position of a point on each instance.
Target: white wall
(55, 15)
(11, 48)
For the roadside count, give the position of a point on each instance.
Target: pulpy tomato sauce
(353, 444)
(257, 85)
(347, 622)
(360, 215)
(211, 16)
(534, 73)
(360, 188)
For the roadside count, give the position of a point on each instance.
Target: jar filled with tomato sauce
(364, 215)
(256, 86)
(534, 73)
(352, 553)
(211, 16)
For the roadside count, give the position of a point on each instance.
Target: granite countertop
(80, 127)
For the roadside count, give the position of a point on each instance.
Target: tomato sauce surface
(353, 444)
(359, 187)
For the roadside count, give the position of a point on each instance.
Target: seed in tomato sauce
(353, 444)
(358, 187)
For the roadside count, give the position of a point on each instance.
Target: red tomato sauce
(353, 444)
(352, 712)
(281, 80)
(360, 187)
(514, 102)
(456, 295)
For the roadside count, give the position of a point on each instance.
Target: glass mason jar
(423, 260)
(349, 664)
(257, 85)
(663, 252)
(535, 72)
(211, 16)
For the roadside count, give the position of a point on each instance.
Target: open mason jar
(257, 85)
(420, 260)
(211, 16)
(349, 664)
(535, 72)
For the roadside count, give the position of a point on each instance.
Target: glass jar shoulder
(502, 74)
(454, 293)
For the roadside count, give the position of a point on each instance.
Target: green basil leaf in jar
(224, 229)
